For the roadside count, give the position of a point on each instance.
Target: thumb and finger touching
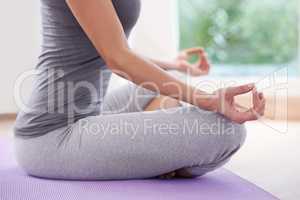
(258, 108)
(202, 62)
(240, 114)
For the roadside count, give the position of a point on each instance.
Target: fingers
(204, 60)
(248, 116)
(261, 95)
(241, 115)
(255, 99)
(243, 89)
(259, 103)
(195, 50)
(257, 111)
(240, 108)
(201, 67)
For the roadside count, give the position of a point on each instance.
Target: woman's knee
(233, 140)
(236, 135)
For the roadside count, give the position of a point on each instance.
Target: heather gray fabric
(73, 130)
(72, 80)
(124, 143)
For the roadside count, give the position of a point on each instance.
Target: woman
(72, 132)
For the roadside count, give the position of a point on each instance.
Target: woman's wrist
(206, 101)
(167, 65)
(179, 66)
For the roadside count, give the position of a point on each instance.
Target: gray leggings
(126, 143)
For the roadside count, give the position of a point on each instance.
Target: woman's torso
(72, 77)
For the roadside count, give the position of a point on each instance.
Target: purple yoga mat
(219, 185)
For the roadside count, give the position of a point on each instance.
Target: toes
(168, 175)
(184, 173)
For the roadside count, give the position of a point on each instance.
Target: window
(235, 33)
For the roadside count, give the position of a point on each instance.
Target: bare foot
(183, 173)
(168, 176)
(162, 102)
(180, 173)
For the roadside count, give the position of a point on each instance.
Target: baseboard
(8, 116)
(278, 109)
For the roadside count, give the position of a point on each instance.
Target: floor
(269, 159)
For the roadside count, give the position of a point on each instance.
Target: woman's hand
(201, 67)
(227, 106)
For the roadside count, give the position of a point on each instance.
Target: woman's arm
(100, 22)
(166, 65)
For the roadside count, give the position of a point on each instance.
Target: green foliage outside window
(241, 31)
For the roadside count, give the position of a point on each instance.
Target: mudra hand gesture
(227, 106)
(199, 68)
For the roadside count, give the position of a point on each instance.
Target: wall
(156, 32)
(20, 41)
(19, 46)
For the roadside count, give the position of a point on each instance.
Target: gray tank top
(72, 78)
